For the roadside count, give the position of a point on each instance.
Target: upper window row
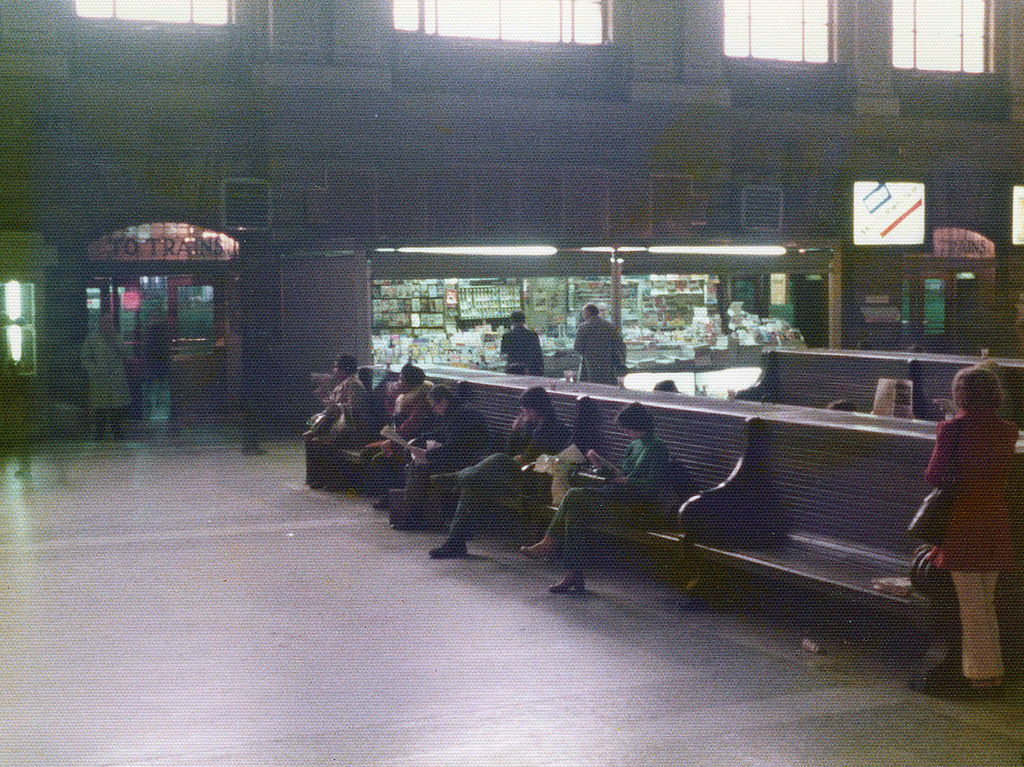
(937, 35)
(544, 21)
(941, 35)
(216, 12)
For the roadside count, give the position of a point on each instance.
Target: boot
(450, 549)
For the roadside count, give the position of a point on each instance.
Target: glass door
(174, 328)
(923, 312)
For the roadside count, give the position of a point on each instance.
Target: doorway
(176, 330)
(810, 307)
(944, 309)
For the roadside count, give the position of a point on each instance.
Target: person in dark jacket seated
(535, 431)
(644, 470)
(460, 440)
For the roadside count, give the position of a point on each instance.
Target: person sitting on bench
(407, 405)
(644, 469)
(460, 441)
(345, 423)
(535, 431)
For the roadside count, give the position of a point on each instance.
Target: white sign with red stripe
(888, 213)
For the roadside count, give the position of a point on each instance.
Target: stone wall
(368, 137)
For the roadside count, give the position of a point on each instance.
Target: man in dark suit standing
(599, 344)
(521, 347)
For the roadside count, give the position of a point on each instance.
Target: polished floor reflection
(194, 606)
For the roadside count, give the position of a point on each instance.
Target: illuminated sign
(888, 213)
(718, 250)
(131, 300)
(164, 242)
(481, 250)
(1018, 215)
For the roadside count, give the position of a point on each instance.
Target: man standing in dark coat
(520, 346)
(599, 344)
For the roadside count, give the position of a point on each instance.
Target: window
(212, 12)
(786, 30)
(940, 35)
(544, 21)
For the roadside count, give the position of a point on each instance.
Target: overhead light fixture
(718, 250)
(482, 250)
(614, 249)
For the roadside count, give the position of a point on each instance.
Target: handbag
(926, 578)
(929, 522)
(321, 423)
(932, 517)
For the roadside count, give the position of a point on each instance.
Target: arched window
(941, 35)
(210, 12)
(544, 21)
(786, 30)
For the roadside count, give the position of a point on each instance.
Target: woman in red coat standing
(972, 453)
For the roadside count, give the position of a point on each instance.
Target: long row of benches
(816, 377)
(817, 498)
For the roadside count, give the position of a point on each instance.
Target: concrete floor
(166, 606)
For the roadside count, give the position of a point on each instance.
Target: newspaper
(559, 467)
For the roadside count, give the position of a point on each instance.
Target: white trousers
(976, 593)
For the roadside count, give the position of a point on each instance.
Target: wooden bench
(828, 492)
(833, 501)
(704, 443)
(835, 490)
(816, 377)
(817, 504)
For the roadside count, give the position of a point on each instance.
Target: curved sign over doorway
(164, 242)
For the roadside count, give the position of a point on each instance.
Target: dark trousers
(108, 417)
(483, 485)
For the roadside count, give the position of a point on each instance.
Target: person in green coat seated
(644, 469)
(535, 431)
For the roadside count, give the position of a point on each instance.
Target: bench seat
(823, 565)
(790, 494)
(661, 540)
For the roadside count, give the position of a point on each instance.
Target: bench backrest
(856, 486)
(706, 443)
(814, 378)
(843, 476)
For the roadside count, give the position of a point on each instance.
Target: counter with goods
(441, 321)
(670, 322)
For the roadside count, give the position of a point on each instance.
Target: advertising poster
(888, 213)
